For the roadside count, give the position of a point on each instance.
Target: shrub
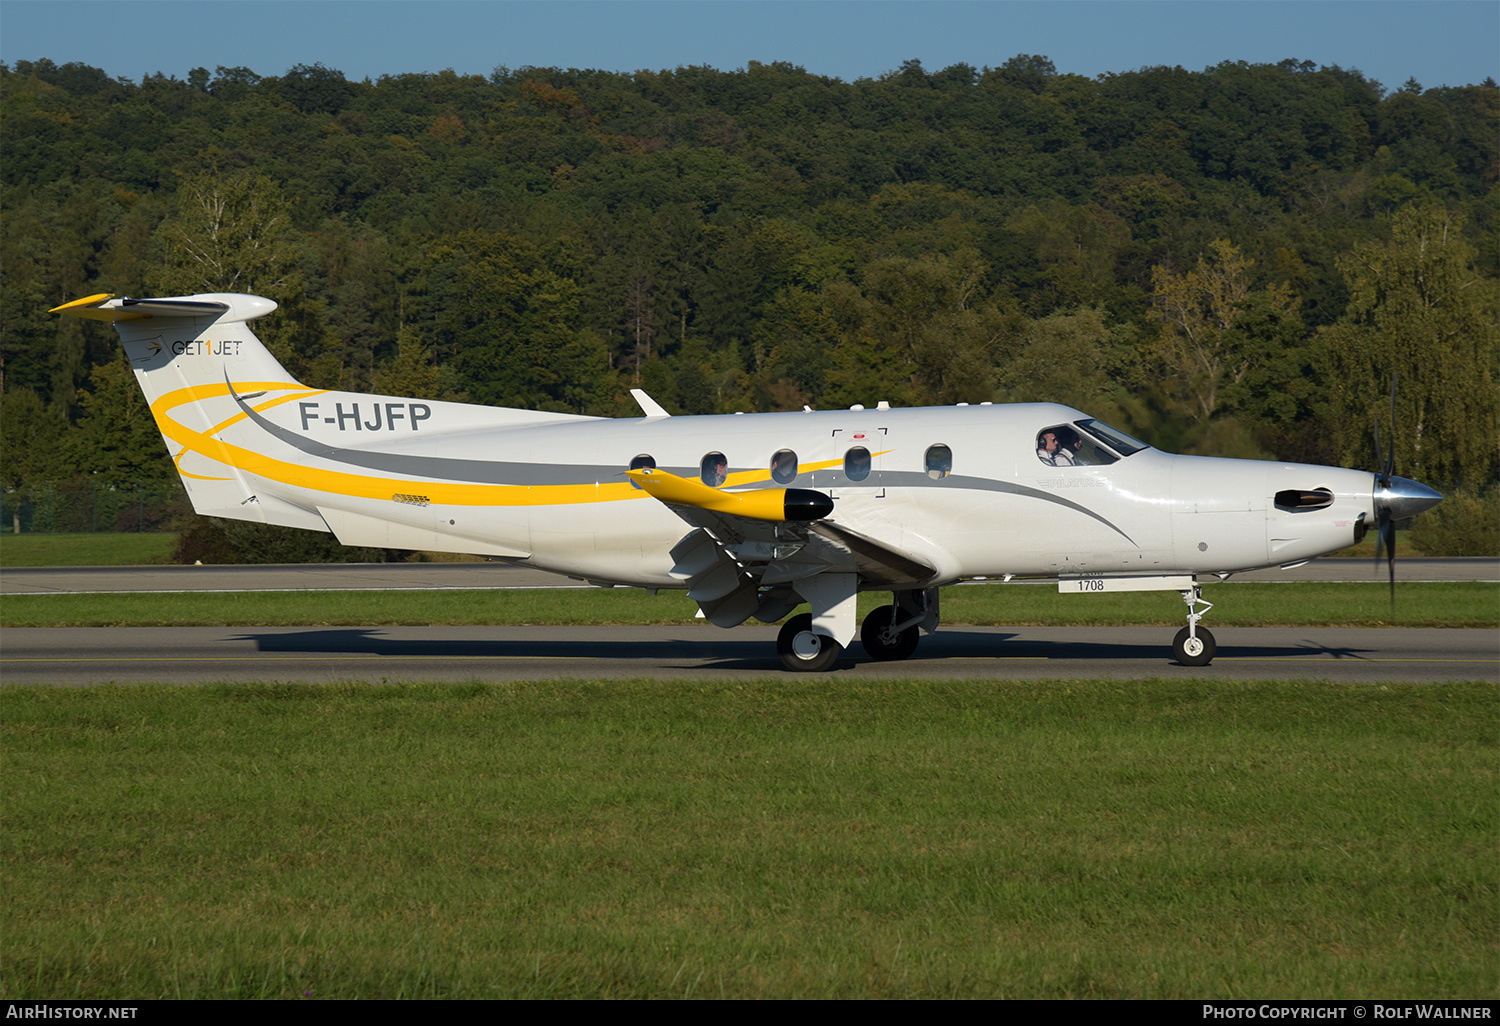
(1463, 524)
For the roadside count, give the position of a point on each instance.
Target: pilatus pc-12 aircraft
(754, 515)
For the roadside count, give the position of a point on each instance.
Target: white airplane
(753, 514)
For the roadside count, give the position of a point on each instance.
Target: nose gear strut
(1194, 645)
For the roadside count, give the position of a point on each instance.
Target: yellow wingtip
(761, 504)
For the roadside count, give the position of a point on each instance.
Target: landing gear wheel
(802, 651)
(875, 634)
(1192, 651)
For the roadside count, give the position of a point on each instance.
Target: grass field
(85, 549)
(1461, 604)
(1167, 838)
(777, 839)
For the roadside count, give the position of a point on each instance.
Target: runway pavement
(192, 655)
(286, 577)
(195, 654)
(445, 576)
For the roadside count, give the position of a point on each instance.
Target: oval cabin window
(857, 463)
(939, 462)
(714, 470)
(784, 466)
(643, 460)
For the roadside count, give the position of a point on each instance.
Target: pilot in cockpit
(1060, 447)
(1046, 445)
(1051, 450)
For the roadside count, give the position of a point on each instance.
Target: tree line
(1234, 260)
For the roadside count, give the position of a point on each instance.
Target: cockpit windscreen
(1085, 443)
(1116, 439)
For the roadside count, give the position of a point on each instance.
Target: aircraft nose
(1405, 498)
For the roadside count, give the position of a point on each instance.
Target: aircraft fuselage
(564, 503)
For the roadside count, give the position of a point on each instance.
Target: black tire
(1206, 648)
(824, 659)
(874, 635)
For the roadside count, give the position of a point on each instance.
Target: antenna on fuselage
(649, 406)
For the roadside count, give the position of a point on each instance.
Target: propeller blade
(1395, 498)
(1381, 519)
(1385, 524)
(1388, 536)
(1379, 455)
(1390, 459)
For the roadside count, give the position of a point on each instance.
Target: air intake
(1296, 500)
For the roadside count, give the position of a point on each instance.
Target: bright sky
(1437, 42)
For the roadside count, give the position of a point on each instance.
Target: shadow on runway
(729, 653)
(371, 641)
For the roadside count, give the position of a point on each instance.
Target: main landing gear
(890, 632)
(1194, 645)
(803, 651)
(813, 642)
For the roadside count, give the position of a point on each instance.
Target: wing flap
(875, 561)
(772, 554)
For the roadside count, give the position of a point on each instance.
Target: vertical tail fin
(196, 358)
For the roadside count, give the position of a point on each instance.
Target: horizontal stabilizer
(106, 306)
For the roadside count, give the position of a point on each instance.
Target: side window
(1055, 446)
(640, 461)
(857, 463)
(1066, 446)
(939, 462)
(714, 470)
(784, 466)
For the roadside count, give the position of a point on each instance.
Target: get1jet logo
(206, 347)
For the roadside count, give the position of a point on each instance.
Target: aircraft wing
(749, 548)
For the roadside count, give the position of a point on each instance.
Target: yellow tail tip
(95, 300)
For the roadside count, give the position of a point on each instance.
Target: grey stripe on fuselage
(440, 468)
(917, 479)
(497, 473)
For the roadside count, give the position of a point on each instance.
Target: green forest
(1233, 261)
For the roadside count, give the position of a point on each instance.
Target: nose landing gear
(1194, 645)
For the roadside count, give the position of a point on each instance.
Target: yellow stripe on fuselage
(177, 462)
(301, 392)
(337, 482)
(262, 407)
